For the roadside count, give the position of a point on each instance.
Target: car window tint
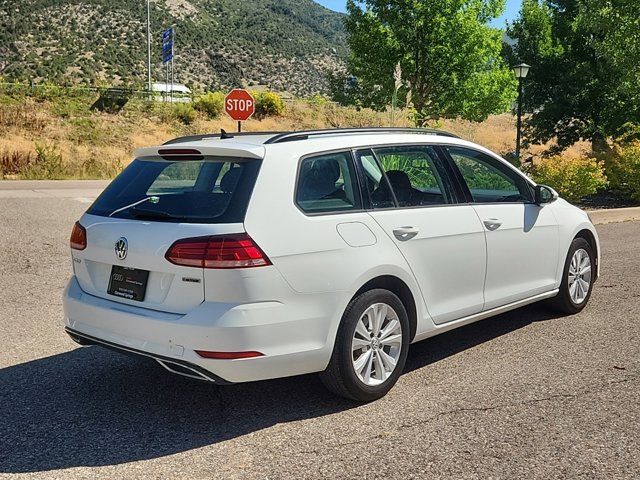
(489, 180)
(417, 176)
(327, 183)
(176, 177)
(375, 183)
(212, 190)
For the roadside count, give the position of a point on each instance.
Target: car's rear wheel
(577, 278)
(371, 347)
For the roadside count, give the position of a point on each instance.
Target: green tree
(450, 58)
(584, 83)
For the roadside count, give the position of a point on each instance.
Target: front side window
(415, 176)
(327, 183)
(488, 180)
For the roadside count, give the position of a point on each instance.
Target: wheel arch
(398, 287)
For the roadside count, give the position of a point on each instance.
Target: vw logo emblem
(122, 246)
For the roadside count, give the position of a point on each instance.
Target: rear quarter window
(212, 190)
(327, 183)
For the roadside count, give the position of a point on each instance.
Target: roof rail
(305, 134)
(204, 136)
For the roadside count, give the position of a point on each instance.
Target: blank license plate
(129, 283)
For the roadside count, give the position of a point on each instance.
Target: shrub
(184, 112)
(623, 171)
(47, 165)
(268, 104)
(98, 167)
(26, 116)
(317, 100)
(48, 91)
(212, 104)
(71, 107)
(14, 162)
(573, 178)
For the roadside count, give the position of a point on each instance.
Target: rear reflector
(78, 239)
(220, 251)
(228, 355)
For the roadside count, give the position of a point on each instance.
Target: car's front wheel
(577, 278)
(371, 347)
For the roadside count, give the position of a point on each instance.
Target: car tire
(579, 269)
(364, 368)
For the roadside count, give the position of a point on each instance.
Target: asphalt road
(522, 395)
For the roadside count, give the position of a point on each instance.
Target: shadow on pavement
(93, 407)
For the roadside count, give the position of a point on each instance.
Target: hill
(286, 45)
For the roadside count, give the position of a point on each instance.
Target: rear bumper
(294, 337)
(174, 365)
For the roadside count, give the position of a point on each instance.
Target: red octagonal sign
(239, 104)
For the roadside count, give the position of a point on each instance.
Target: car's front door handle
(492, 224)
(405, 233)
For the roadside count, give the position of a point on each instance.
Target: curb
(614, 215)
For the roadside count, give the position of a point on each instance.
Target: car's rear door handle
(492, 224)
(405, 233)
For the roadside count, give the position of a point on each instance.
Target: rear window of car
(211, 190)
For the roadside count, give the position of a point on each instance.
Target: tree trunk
(599, 145)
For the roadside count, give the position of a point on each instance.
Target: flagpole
(149, 45)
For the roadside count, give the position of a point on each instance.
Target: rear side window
(375, 182)
(415, 176)
(212, 190)
(327, 183)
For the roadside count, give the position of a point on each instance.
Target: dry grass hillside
(61, 138)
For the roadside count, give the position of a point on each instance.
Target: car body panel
(522, 252)
(451, 290)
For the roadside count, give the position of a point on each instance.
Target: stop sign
(239, 104)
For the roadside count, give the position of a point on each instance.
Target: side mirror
(545, 194)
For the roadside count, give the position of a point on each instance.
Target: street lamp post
(521, 70)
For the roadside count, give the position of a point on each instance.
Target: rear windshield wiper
(151, 199)
(144, 213)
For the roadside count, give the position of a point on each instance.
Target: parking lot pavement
(522, 395)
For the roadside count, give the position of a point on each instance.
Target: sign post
(239, 105)
(167, 57)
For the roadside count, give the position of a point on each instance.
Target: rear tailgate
(169, 288)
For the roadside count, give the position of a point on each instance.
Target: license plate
(129, 283)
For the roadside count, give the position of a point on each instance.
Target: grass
(58, 136)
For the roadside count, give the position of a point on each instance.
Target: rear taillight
(78, 239)
(220, 251)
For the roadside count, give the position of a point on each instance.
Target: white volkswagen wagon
(233, 258)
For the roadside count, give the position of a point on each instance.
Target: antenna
(224, 135)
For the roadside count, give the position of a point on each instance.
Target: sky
(511, 12)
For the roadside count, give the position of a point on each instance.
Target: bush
(317, 100)
(183, 112)
(573, 178)
(48, 164)
(211, 104)
(15, 162)
(268, 104)
(623, 171)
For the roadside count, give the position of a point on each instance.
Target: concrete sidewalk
(614, 215)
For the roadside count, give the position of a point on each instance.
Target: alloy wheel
(376, 344)
(579, 276)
